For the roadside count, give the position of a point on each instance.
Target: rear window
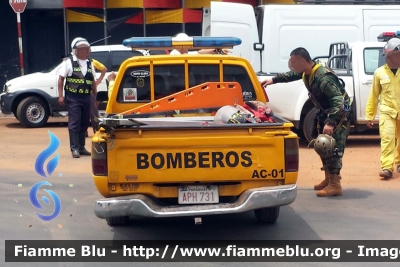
(201, 73)
(234, 73)
(170, 79)
(135, 86)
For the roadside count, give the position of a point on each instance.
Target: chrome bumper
(142, 205)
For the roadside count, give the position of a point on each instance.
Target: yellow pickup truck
(153, 163)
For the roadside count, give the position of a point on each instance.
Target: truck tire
(118, 221)
(308, 124)
(267, 215)
(33, 112)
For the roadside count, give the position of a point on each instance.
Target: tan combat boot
(324, 182)
(333, 189)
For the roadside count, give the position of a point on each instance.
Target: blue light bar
(148, 42)
(216, 41)
(181, 41)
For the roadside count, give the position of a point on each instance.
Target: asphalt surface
(362, 213)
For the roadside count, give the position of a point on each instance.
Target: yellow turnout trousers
(389, 130)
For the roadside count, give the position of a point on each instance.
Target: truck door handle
(367, 82)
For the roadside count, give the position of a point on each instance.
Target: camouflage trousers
(333, 164)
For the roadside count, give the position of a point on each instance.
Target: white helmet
(182, 37)
(78, 41)
(392, 44)
(230, 114)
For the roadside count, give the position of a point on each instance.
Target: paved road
(369, 209)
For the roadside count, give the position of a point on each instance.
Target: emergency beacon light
(181, 41)
(386, 36)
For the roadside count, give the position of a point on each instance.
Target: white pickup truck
(271, 32)
(355, 63)
(33, 98)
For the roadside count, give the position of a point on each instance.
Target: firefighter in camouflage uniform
(79, 76)
(328, 94)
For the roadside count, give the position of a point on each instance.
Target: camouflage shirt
(327, 93)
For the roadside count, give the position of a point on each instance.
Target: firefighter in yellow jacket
(386, 84)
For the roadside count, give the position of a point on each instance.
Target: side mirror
(102, 96)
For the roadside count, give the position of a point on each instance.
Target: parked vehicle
(271, 32)
(33, 98)
(159, 152)
(355, 63)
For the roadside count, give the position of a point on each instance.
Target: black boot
(74, 143)
(82, 149)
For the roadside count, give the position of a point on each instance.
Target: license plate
(198, 194)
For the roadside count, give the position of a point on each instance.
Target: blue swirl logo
(39, 168)
(45, 154)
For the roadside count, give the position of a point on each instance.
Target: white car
(33, 98)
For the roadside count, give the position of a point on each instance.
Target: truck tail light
(99, 159)
(291, 155)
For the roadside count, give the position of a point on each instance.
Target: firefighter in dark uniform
(328, 94)
(78, 73)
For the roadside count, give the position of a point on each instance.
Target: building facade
(48, 26)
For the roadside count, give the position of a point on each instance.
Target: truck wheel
(118, 221)
(33, 112)
(308, 124)
(267, 215)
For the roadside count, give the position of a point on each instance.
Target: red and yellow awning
(207, 3)
(156, 11)
(74, 16)
(168, 4)
(181, 15)
(84, 4)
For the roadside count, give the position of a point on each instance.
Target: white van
(33, 98)
(270, 32)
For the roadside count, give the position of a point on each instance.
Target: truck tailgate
(207, 155)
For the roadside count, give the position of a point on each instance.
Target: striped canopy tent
(119, 19)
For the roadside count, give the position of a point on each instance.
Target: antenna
(100, 40)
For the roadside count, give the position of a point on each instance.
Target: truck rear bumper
(142, 205)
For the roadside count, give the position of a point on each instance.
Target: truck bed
(185, 122)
